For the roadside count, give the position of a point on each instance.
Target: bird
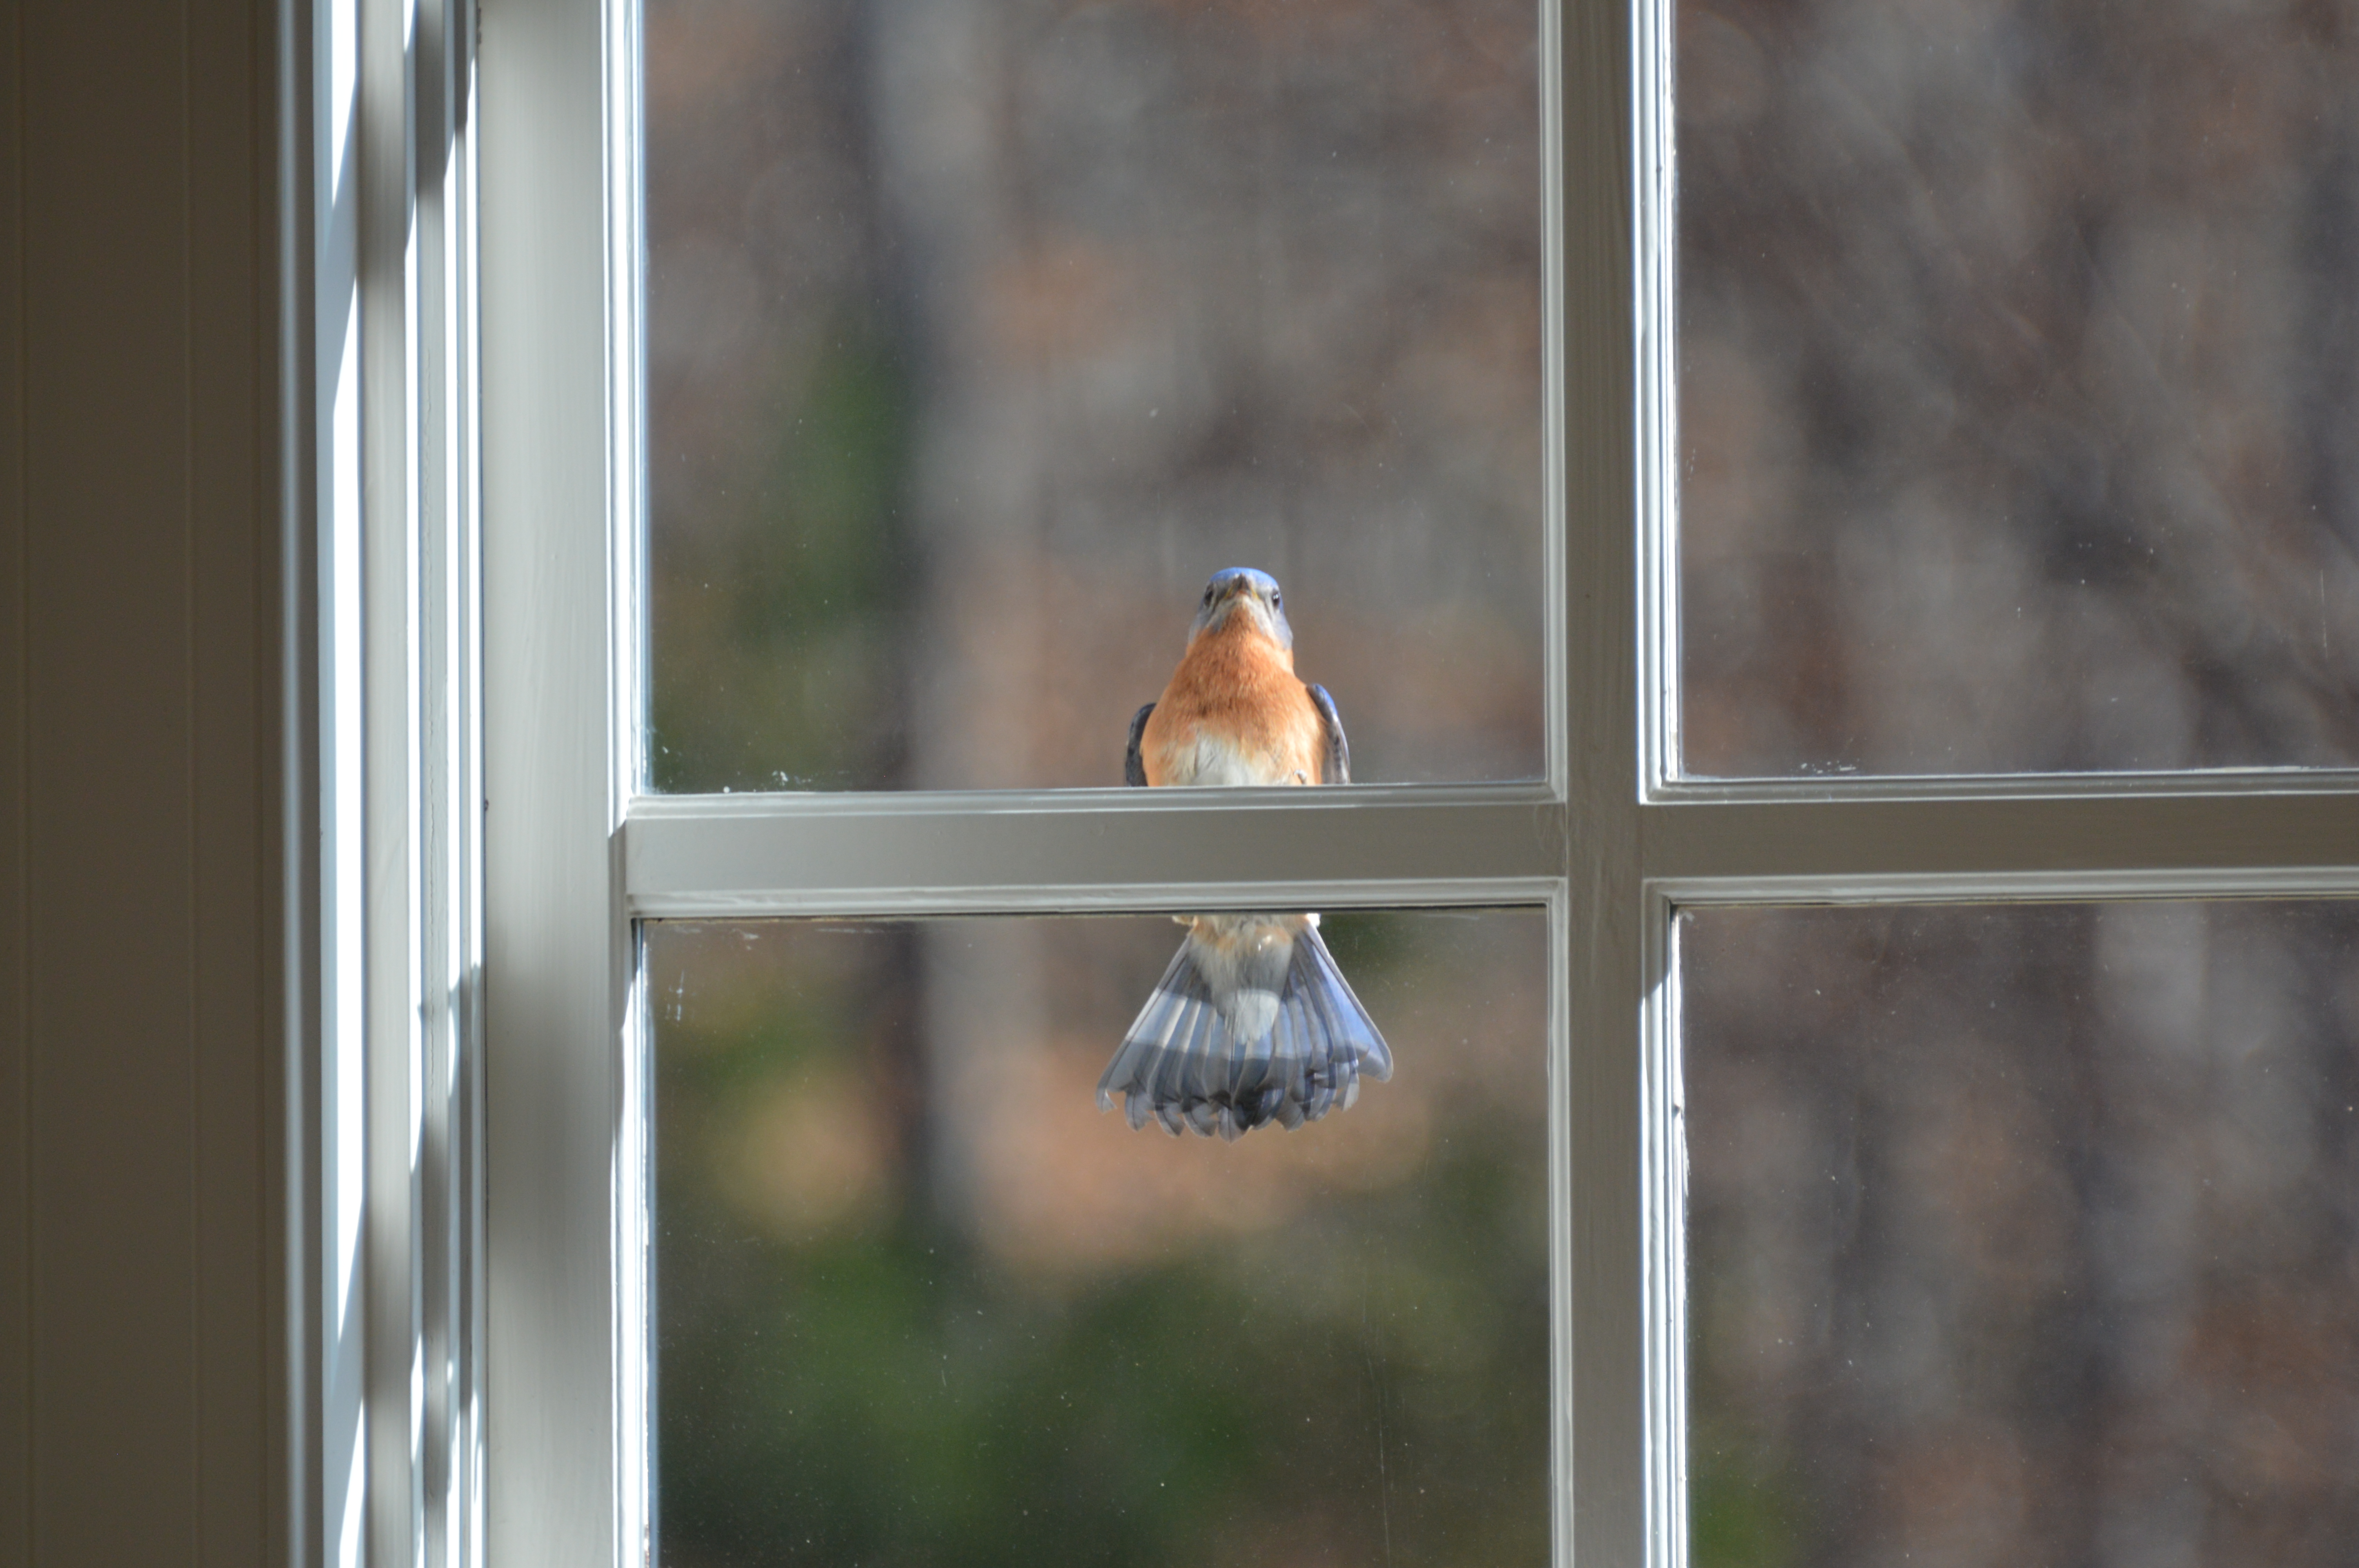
(1253, 1023)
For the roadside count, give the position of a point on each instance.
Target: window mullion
(1598, 1370)
(565, 1467)
(2075, 846)
(915, 854)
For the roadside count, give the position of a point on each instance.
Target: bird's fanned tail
(1184, 1062)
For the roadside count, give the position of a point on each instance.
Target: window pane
(2023, 1234)
(920, 1302)
(981, 334)
(2020, 385)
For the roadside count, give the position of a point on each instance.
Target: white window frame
(497, 1383)
(380, 562)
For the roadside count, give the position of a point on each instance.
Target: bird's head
(1241, 591)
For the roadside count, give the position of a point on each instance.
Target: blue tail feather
(1182, 1065)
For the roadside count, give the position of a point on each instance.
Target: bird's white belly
(1211, 760)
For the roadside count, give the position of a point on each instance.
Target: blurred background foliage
(1743, 1512)
(981, 334)
(793, 603)
(2019, 360)
(2023, 1234)
(919, 1308)
(2018, 381)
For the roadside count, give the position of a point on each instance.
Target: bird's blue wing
(1335, 766)
(1134, 766)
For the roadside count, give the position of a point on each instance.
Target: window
(920, 1298)
(2013, 386)
(1614, 841)
(2016, 1228)
(974, 347)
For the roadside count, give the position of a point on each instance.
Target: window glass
(919, 1300)
(982, 332)
(2020, 385)
(2023, 1234)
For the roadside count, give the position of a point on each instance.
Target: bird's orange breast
(1235, 712)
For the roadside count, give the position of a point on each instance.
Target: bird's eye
(1278, 601)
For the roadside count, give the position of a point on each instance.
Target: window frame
(380, 555)
(1611, 842)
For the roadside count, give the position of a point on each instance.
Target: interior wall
(141, 1287)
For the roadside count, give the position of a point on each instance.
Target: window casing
(1611, 843)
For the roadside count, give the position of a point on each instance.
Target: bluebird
(1253, 1023)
